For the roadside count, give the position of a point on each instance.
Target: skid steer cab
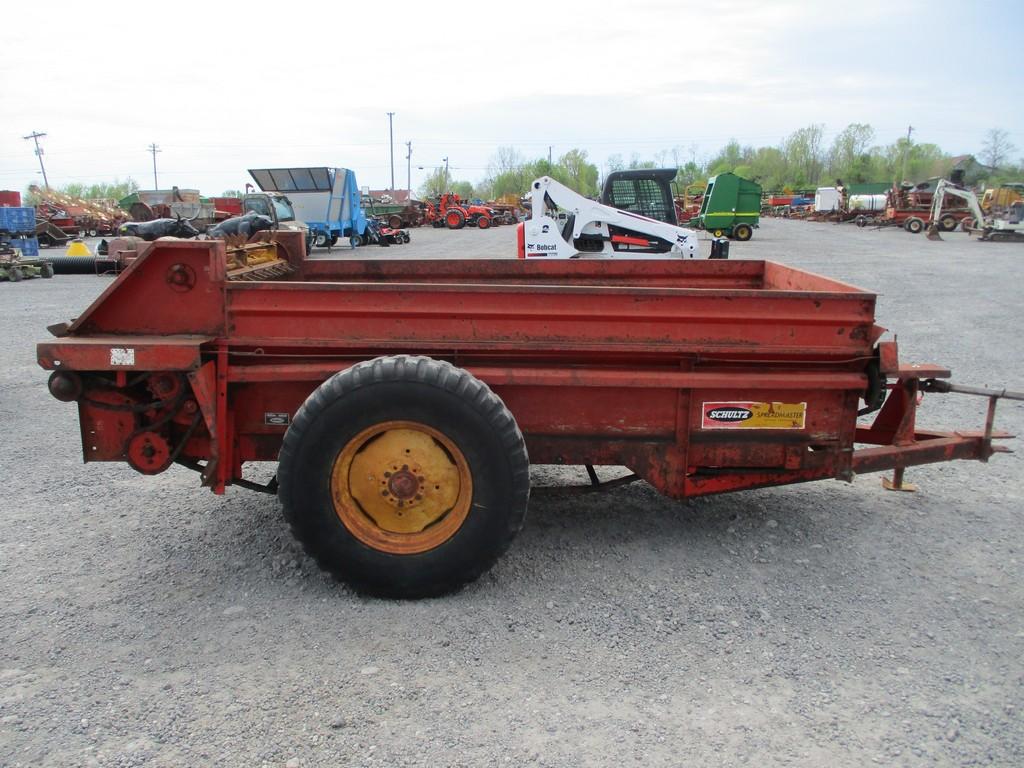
(591, 229)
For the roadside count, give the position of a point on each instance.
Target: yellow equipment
(1000, 199)
(77, 248)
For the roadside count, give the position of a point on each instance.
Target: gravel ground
(148, 622)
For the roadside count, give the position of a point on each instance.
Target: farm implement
(404, 401)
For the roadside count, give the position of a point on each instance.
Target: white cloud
(222, 88)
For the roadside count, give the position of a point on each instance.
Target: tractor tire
(484, 222)
(355, 241)
(861, 221)
(404, 476)
(93, 233)
(407, 237)
(46, 270)
(454, 219)
(718, 232)
(395, 221)
(437, 223)
(14, 274)
(913, 225)
(742, 232)
(948, 223)
(321, 239)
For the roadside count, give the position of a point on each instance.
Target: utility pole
(445, 188)
(153, 148)
(549, 155)
(906, 151)
(391, 142)
(36, 136)
(408, 161)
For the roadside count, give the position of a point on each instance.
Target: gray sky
(224, 87)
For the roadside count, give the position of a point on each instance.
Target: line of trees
(510, 173)
(104, 190)
(803, 160)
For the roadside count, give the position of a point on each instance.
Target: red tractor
(454, 213)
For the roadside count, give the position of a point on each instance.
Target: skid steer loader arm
(594, 230)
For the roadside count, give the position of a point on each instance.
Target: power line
(154, 149)
(35, 136)
(408, 170)
(906, 151)
(391, 143)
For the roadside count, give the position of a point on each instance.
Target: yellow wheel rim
(717, 233)
(401, 487)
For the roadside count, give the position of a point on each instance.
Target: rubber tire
(14, 274)
(320, 240)
(46, 270)
(948, 223)
(742, 232)
(455, 215)
(395, 221)
(406, 237)
(718, 232)
(913, 225)
(355, 240)
(432, 392)
(484, 222)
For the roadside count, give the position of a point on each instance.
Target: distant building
(974, 172)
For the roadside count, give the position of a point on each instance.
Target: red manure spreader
(405, 400)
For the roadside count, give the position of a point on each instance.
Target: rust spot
(860, 333)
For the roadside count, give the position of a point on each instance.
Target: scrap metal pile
(73, 215)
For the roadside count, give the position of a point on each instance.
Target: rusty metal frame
(600, 362)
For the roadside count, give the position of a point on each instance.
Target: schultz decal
(730, 414)
(275, 419)
(753, 415)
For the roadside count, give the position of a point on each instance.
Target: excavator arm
(943, 188)
(596, 230)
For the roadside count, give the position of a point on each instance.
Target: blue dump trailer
(20, 220)
(327, 200)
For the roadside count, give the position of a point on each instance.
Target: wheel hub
(401, 487)
(404, 485)
(148, 453)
